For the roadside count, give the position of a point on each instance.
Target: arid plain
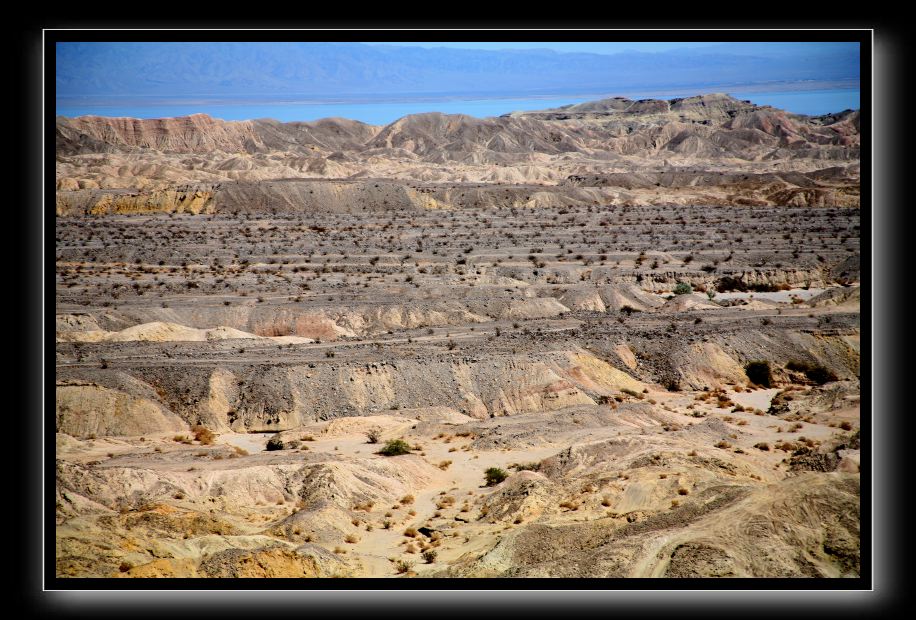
(616, 339)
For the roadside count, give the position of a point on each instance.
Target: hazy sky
(575, 46)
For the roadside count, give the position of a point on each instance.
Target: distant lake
(381, 113)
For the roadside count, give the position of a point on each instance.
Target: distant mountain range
(709, 149)
(354, 69)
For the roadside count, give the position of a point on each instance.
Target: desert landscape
(612, 339)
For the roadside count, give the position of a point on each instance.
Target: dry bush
(202, 434)
(374, 434)
(445, 502)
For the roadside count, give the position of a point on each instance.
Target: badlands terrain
(616, 339)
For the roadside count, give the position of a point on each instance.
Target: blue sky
(575, 46)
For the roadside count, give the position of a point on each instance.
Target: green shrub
(395, 447)
(683, 288)
(759, 372)
(495, 475)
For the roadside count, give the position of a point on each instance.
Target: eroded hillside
(615, 339)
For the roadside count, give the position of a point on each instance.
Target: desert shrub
(820, 375)
(395, 447)
(814, 372)
(759, 372)
(526, 466)
(430, 555)
(374, 434)
(728, 283)
(683, 288)
(799, 366)
(403, 566)
(203, 435)
(275, 443)
(494, 475)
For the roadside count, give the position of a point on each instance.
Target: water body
(381, 113)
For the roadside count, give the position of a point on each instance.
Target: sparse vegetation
(418, 301)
